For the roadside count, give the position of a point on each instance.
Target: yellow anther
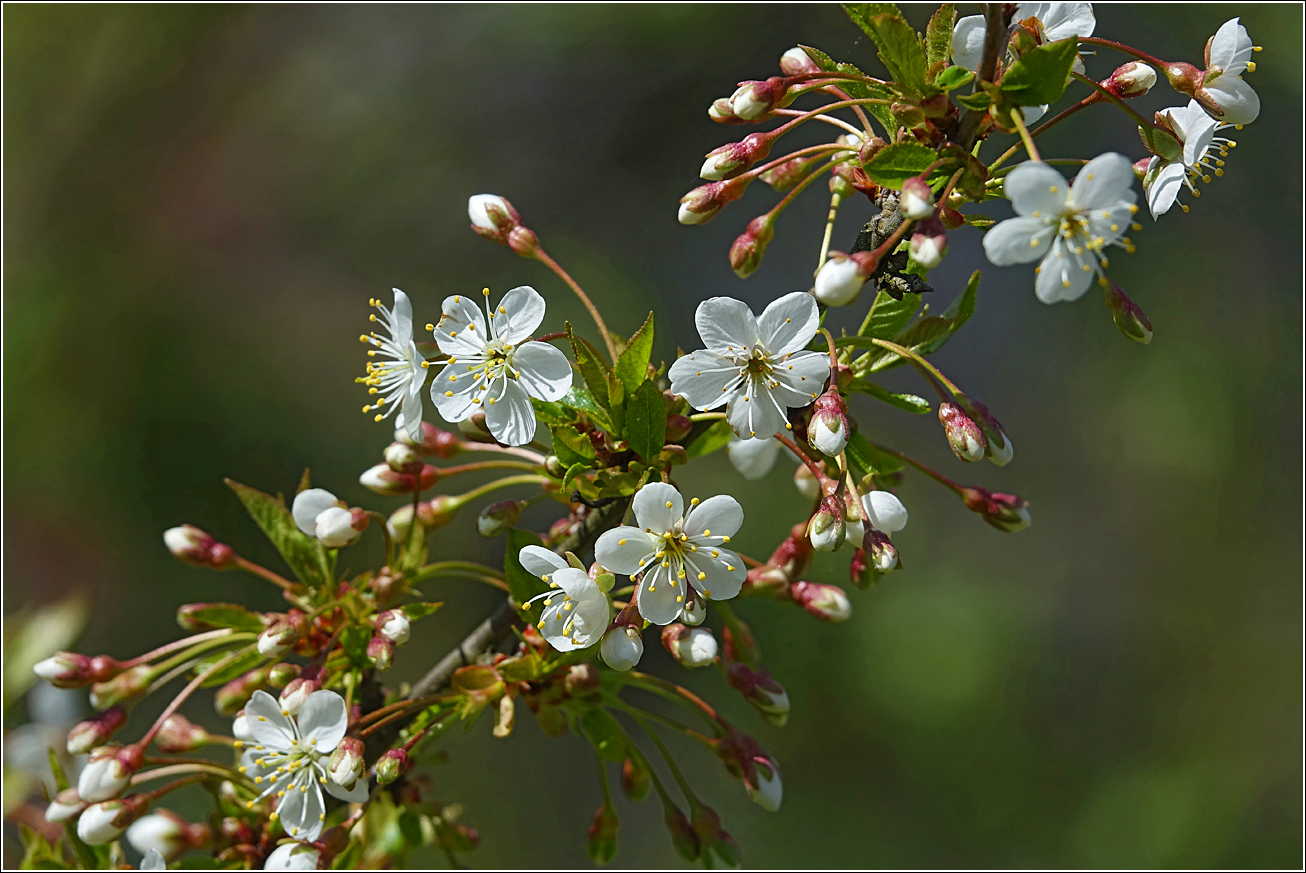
(668, 504)
(262, 718)
(1053, 189)
(707, 531)
(621, 542)
(693, 501)
(238, 744)
(701, 576)
(378, 417)
(1251, 66)
(725, 539)
(485, 291)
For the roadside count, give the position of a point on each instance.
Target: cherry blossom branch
(995, 37)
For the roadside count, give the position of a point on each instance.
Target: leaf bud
(1006, 512)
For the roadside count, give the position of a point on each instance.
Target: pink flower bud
(683, 838)
(103, 823)
(1128, 316)
(123, 687)
(880, 549)
(705, 201)
(749, 247)
(394, 625)
(929, 243)
(523, 241)
(232, 697)
(64, 670)
(795, 62)
(440, 443)
(753, 101)
(635, 779)
(825, 530)
(828, 431)
(381, 652)
(1006, 512)
(166, 833)
(998, 448)
(783, 177)
(65, 805)
(721, 113)
(296, 692)
(107, 773)
(403, 458)
(393, 764)
(622, 647)
(917, 200)
(1133, 79)
(346, 765)
(96, 731)
(964, 436)
(762, 691)
(179, 734)
(192, 545)
(582, 679)
(282, 635)
(492, 216)
(383, 480)
(731, 159)
(842, 276)
(826, 602)
(692, 647)
(497, 518)
(281, 675)
(601, 844)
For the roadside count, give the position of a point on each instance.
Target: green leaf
(953, 78)
(522, 584)
(419, 610)
(632, 363)
(354, 640)
(572, 447)
(980, 101)
(304, 554)
(579, 399)
(858, 90)
(909, 402)
(604, 733)
(602, 382)
(938, 37)
(572, 472)
(220, 615)
(895, 164)
(646, 420)
(930, 333)
(983, 222)
(715, 437)
(866, 458)
(553, 413)
(900, 46)
(888, 315)
(1040, 75)
(242, 664)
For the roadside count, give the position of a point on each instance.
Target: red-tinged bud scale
(96, 731)
(1128, 315)
(749, 247)
(437, 442)
(1006, 512)
(964, 436)
(826, 602)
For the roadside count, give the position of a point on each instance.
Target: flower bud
(635, 779)
(734, 158)
(393, 764)
(582, 679)
(881, 551)
(281, 675)
(339, 527)
(105, 775)
(1133, 79)
(282, 635)
(783, 177)
(622, 647)
(826, 602)
(694, 612)
(240, 728)
(65, 805)
(806, 482)
(192, 545)
(403, 458)
(766, 789)
(753, 101)
(103, 823)
(1006, 512)
(721, 113)
(394, 625)
(884, 511)
(917, 200)
(762, 691)
(296, 692)
(683, 838)
(383, 480)
(964, 436)
(346, 765)
(440, 443)
(496, 518)
(126, 685)
(492, 216)
(842, 276)
(718, 847)
(998, 448)
(64, 670)
(294, 856)
(381, 652)
(232, 697)
(704, 202)
(748, 248)
(825, 530)
(1128, 316)
(179, 734)
(601, 846)
(96, 731)
(166, 833)
(523, 241)
(795, 62)
(692, 647)
(828, 431)
(929, 243)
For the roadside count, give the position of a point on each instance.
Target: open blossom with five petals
(399, 370)
(576, 612)
(755, 366)
(494, 368)
(1196, 132)
(1056, 21)
(1067, 226)
(670, 548)
(1228, 56)
(290, 754)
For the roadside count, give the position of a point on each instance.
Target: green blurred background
(200, 200)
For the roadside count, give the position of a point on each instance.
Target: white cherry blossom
(670, 548)
(400, 370)
(755, 366)
(1196, 131)
(576, 612)
(1067, 226)
(290, 754)
(495, 369)
(319, 513)
(1228, 56)
(293, 856)
(753, 458)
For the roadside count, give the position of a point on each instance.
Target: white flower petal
(884, 511)
(1198, 135)
(1164, 189)
(269, 727)
(308, 505)
(754, 413)
(1063, 20)
(508, 413)
(725, 575)
(753, 458)
(968, 42)
(520, 311)
(801, 376)
(357, 793)
(1240, 103)
(1018, 241)
(454, 391)
(722, 515)
(403, 315)
(1229, 45)
(293, 856)
(540, 561)
(461, 330)
(622, 548)
(1031, 114)
(1103, 182)
(789, 323)
(324, 718)
(575, 583)
(301, 808)
(726, 325)
(658, 506)
(545, 373)
(1036, 190)
(658, 593)
(704, 378)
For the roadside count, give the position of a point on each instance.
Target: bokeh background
(199, 201)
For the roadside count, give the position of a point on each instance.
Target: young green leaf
(1040, 75)
(938, 36)
(602, 382)
(572, 447)
(865, 458)
(220, 615)
(931, 332)
(898, 43)
(419, 610)
(646, 420)
(908, 402)
(953, 78)
(304, 554)
(858, 90)
(715, 437)
(241, 665)
(895, 164)
(888, 316)
(632, 363)
(353, 640)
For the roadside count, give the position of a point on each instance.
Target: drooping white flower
(622, 647)
(291, 755)
(495, 369)
(669, 548)
(293, 856)
(104, 776)
(1228, 56)
(399, 370)
(884, 512)
(319, 513)
(753, 458)
(1057, 21)
(755, 366)
(576, 613)
(160, 833)
(1196, 131)
(1067, 226)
